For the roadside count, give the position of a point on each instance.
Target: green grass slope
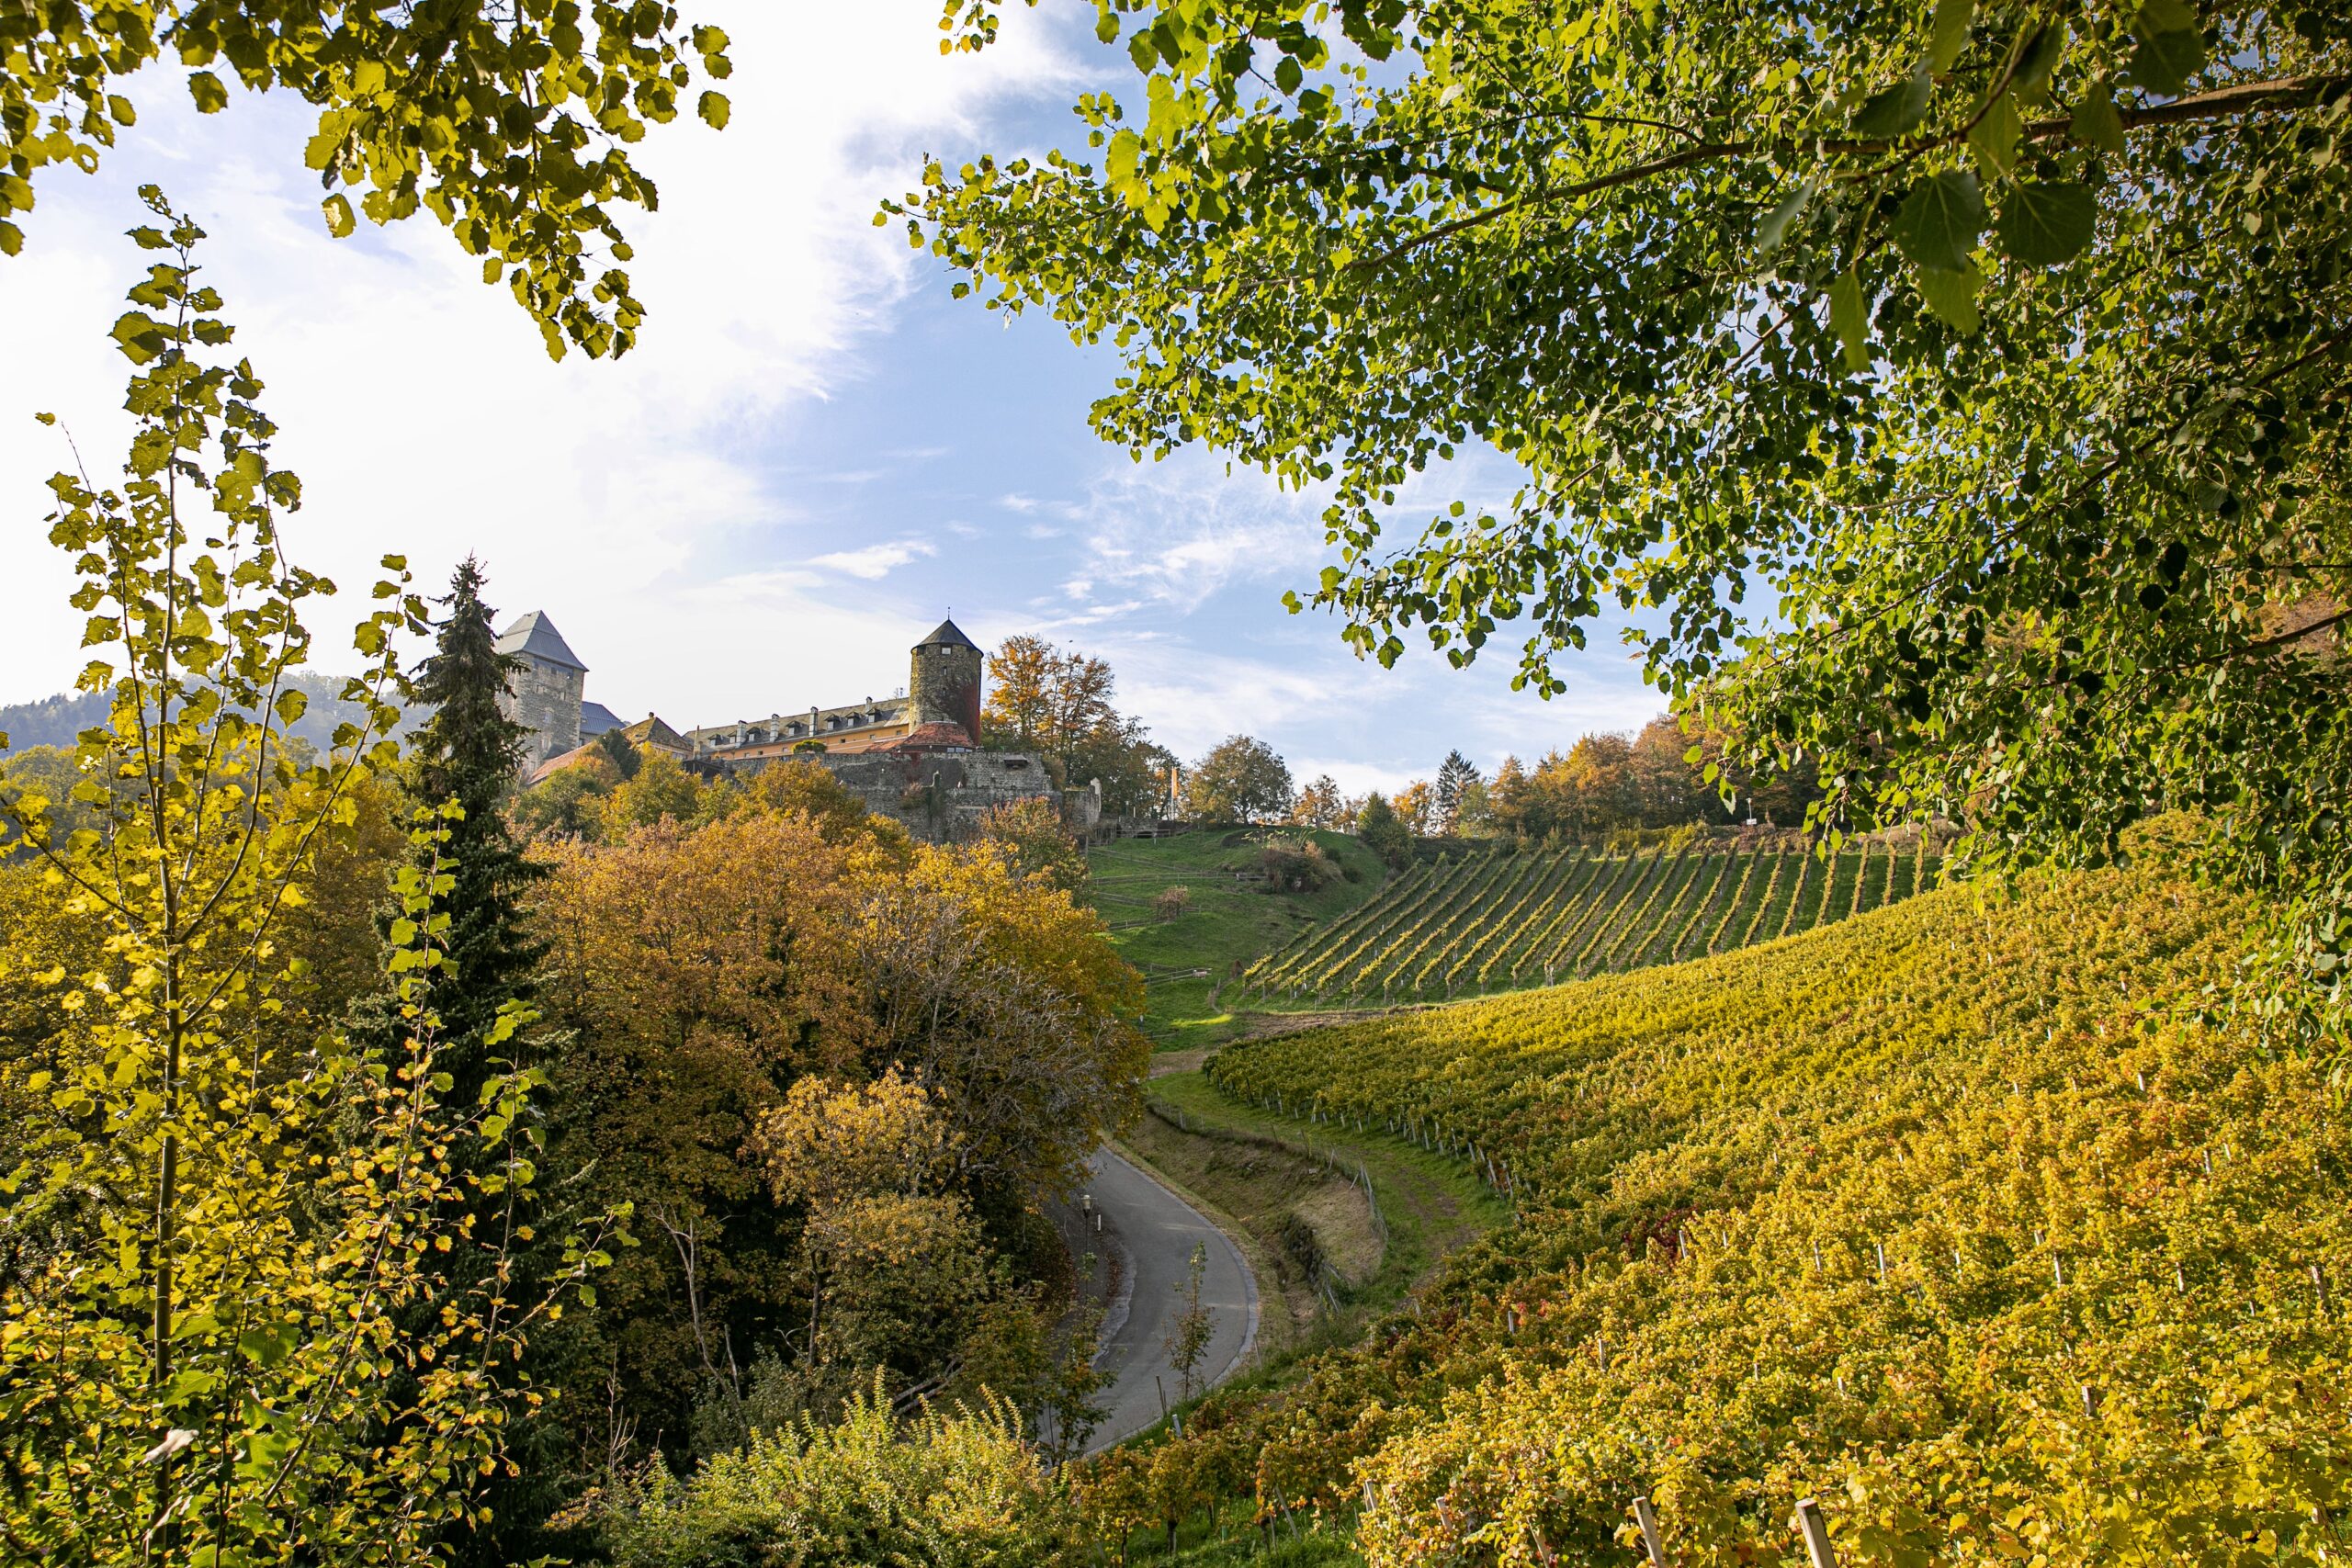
(1952, 1215)
(1188, 962)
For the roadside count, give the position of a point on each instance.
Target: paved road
(1156, 1232)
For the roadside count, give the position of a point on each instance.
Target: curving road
(1153, 1232)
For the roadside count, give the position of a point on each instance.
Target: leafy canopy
(1953, 389)
(511, 124)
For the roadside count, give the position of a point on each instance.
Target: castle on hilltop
(913, 756)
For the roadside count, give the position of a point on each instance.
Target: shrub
(1172, 902)
(941, 1491)
(1295, 867)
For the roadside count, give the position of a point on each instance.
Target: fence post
(1647, 1517)
(1816, 1531)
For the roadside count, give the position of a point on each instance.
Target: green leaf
(2042, 52)
(211, 96)
(118, 109)
(2095, 122)
(2166, 59)
(2045, 224)
(1938, 222)
(1288, 77)
(340, 221)
(1952, 295)
(1994, 137)
(2167, 17)
(1106, 27)
(1895, 110)
(1948, 33)
(1849, 320)
(713, 108)
(139, 334)
(1775, 224)
(11, 239)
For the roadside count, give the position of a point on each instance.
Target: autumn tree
(514, 129)
(1030, 832)
(1241, 779)
(205, 1350)
(1318, 805)
(802, 786)
(1057, 704)
(897, 1266)
(569, 803)
(1415, 806)
(1194, 1324)
(1949, 394)
(660, 790)
(698, 973)
(996, 990)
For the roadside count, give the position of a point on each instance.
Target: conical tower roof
(950, 633)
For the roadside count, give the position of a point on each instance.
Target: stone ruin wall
(940, 795)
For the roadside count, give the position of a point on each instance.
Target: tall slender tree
(470, 753)
(1454, 775)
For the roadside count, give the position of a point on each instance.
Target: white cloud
(874, 562)
(420, 407)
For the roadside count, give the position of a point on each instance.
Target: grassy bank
(1229, 918)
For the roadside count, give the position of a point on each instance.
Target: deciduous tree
(1952, 394)
(209, 1351)
(1241, 779)
(513, 127)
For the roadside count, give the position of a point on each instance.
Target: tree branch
(2244, 98)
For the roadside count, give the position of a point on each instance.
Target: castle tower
(544, 690)
(945, 685)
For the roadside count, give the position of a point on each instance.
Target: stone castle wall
(939, 795)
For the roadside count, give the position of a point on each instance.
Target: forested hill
(60, 721)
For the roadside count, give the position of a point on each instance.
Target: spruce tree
(469, 751)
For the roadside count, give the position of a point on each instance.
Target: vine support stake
(1816, 1530)
(1647, 1517)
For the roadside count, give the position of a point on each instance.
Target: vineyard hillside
(1504, 920)
(1956, 1215)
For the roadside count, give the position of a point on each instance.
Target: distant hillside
(60, 721)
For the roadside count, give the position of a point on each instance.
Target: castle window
(1016, 763)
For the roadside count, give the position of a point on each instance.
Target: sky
(813, 457)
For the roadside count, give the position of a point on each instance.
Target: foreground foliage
(1955, 1215)
(512, 125)
(943, 1490)
(1952, 392)
(257, 1302)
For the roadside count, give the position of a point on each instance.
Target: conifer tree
(1455, 775)
(470, 753)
